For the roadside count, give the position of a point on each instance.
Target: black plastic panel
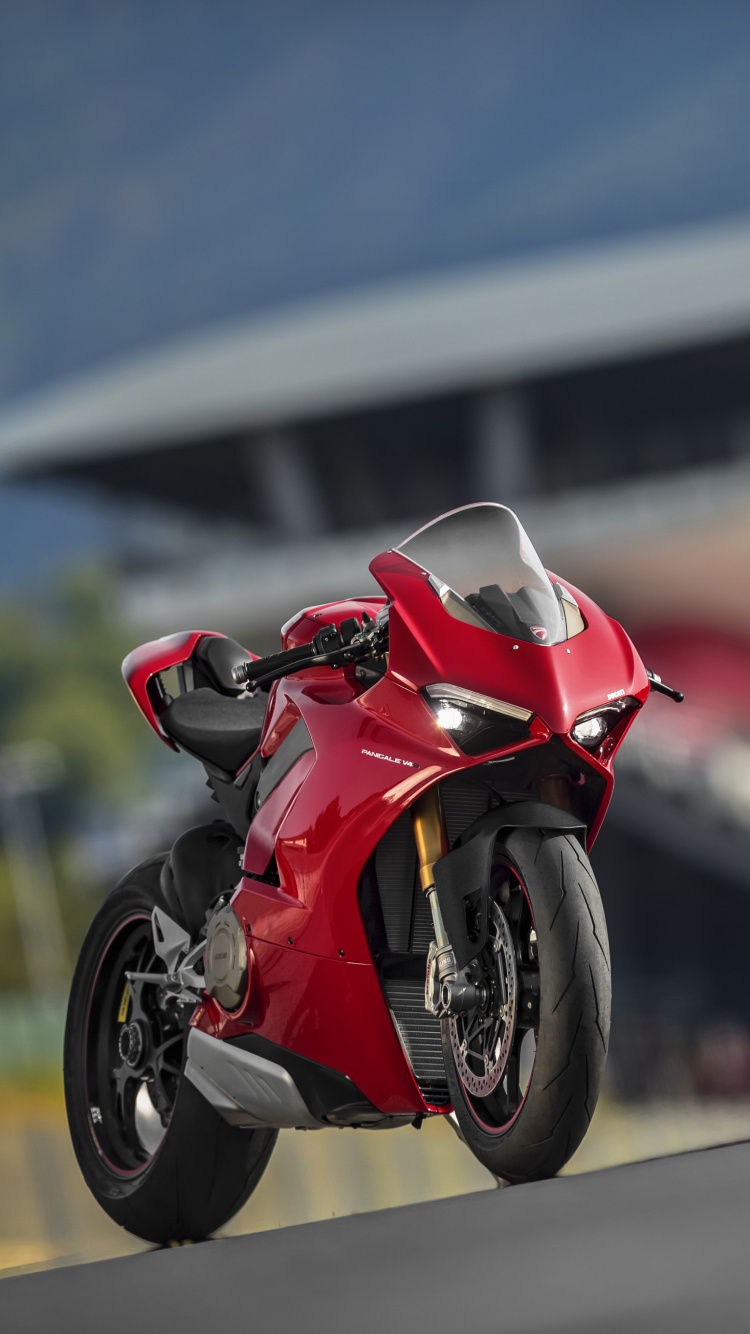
(297, 744)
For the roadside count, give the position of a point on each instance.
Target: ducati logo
(538, 630)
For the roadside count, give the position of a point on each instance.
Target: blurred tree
(60, 682)
(12, 964)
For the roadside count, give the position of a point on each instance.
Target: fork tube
(431, 839)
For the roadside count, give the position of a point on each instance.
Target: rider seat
(213, 659)
(217, 728)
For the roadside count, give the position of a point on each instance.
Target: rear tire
(525, 1134)
(155, 1155)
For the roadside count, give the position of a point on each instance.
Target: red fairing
(141, 666)
(557, 682)
(330, 811)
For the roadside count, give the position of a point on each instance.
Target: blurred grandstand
(280, 283)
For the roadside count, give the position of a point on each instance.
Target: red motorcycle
(396, 916)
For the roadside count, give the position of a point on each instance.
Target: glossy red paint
(314, 987)
(557, 682)
(334, 1012)
(141, 666)
(390, 748)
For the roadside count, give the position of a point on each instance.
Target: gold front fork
(431, 839)
(429, 833)
(432, 843)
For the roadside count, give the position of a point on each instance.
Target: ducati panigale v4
(396, 916)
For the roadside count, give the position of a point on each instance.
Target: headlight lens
(590, 731)
(476, 722)
(450, 718)
(591, 728)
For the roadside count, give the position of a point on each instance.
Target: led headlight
(450, 718)
(590, 729)
(476, 722)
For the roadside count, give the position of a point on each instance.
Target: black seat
(217, 728)
(213, 660)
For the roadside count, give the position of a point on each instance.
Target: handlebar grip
(259, 667)
(329, 648)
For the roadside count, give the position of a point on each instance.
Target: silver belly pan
(245, 1089)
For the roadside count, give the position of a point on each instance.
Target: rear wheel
(156, 1156)
(524, 1069)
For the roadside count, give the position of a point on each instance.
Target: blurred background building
(277, 284)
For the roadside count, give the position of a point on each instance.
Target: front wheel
(157, 1158)
(524, 1069)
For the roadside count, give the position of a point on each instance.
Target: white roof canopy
(479, 327)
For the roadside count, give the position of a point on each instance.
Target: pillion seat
(217, 728)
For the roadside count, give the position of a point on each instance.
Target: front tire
(549, 950)
(155, 1155)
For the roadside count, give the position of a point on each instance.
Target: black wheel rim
(509, 967)
(134, 1049)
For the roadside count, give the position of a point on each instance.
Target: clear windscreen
(486, 572)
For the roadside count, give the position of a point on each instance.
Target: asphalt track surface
(655, 1246)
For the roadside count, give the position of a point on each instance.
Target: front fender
(465, 872)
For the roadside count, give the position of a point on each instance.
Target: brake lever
(328, 649)
(657, 684)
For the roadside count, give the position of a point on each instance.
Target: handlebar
(352, 643)
(657, 684)
(329, 648)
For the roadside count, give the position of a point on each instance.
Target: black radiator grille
(421, 924)
(419, 1032)
(465, 798)
(396, 872)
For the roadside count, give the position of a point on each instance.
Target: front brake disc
(481, 1039)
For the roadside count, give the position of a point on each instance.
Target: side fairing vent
(399, 926)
